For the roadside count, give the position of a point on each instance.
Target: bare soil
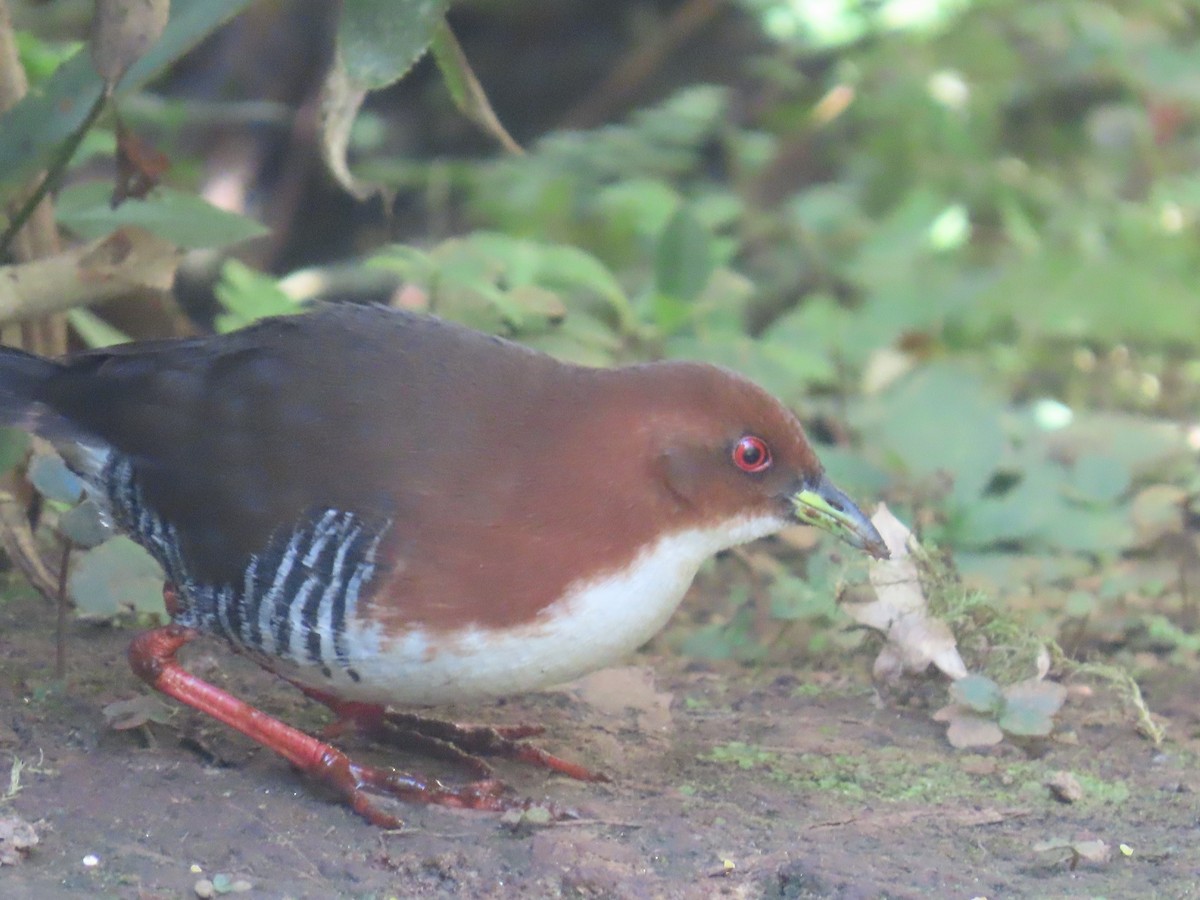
(726, 782)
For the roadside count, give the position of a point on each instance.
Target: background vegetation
(959, 237)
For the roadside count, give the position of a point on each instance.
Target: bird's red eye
(751, 454)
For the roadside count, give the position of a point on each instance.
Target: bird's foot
(361, 787)
(463, 744)
(152, 656)
(460, 742)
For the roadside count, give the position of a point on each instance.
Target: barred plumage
(297, 594)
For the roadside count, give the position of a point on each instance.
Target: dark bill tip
(824, 506)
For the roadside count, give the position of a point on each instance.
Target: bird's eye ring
(751, 454)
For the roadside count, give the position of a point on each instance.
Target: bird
(389, 509)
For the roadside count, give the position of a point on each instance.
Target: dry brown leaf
(968, 730)
(1157, 511)
(140, 166)
(1096, 851)
(122, 32)
(1042, 663)
(914, 638)
(122, 715)
(340, 103)
(17, 839)
(1074, 852)
(130, 257)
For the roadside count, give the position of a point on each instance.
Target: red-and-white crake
(389, 509)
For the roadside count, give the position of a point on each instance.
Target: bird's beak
(824, 506)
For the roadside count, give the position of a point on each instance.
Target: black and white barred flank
(298, 592)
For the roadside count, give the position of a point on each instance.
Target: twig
(60, 627)
(54, 174)
(19, 543)
(129, 259)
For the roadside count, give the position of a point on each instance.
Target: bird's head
(740, 452)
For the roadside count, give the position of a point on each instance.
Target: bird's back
(230, 437)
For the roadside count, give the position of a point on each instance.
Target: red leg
(152, 656)
(448, 740)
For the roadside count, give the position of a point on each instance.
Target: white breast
(594, 624)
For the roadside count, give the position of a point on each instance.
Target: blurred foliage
(180, 217)
(960, 237)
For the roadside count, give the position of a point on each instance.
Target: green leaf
(1035, 512)
(979, 693)
(41, 58)
(33, 129)
(1030, 706)
(819, 333)
(684, 259)
(53, 480)
(779, 372)
(14, 445)
(638, 207)
(181, 218)
(115, 577)
(1081, 604)
(1141, 444)
(1104, 532)
(1162, 631)
(795, 598)
(1064, 293)
(581, 338)
(248, 296)
(851, 471)
(826, 209)
(669, 313)
(1025, 722)
(94, 331)
(85, 525)
(465, 89)
(1022, 514)
(564, 267)
(378, 41)
(1099, 479)
(899, 242)
(942, 418)
(411, 263)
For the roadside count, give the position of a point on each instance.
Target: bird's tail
(22, 379)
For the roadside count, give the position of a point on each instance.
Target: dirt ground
(726, 782)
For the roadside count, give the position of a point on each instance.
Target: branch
(128, 259)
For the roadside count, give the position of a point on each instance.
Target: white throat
(594, 624)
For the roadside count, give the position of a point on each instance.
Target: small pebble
(1065, 787)
(204, 889)
(91, 860)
